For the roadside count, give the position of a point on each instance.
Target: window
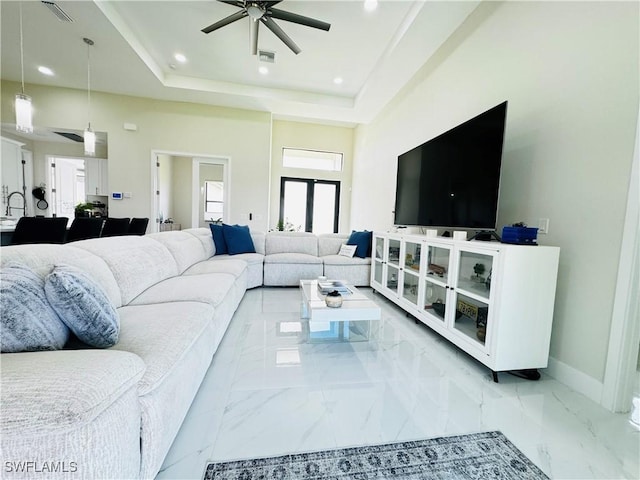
(213, 199)
(310, 205)
(312, 159)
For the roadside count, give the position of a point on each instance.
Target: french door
(310, 205)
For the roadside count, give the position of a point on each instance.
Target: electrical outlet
(543, 225)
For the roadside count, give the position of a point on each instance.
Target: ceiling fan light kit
(262, 11)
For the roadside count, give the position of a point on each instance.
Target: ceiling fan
(264, 12)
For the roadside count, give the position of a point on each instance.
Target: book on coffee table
(328, 286)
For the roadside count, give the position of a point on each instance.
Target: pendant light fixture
(89, 135)
(24, 122)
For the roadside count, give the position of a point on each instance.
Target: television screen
(453, 180)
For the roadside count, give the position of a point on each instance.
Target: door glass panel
(295, 203)
(474, 273)
(379, 250)
(435, 298)
(392, 277)
(394, 251)
(471, 317)
(412, 256)
(377, 273)
(324, 207)
(438, 263)
(410, 286)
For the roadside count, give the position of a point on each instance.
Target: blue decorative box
(520, 235)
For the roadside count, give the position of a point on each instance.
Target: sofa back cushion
(291, 242)
(137, 262)
(205, 237)
(44, 257)
(186, 249)
(258, 241)
(330, 243)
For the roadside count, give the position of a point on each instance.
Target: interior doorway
(179, 199)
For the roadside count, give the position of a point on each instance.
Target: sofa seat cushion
(292, 258)
(161, 335)
(222, 264)
(50, 392)
(343, 260)
(209, 288)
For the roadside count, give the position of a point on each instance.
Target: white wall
(570, 74)
(199, 130)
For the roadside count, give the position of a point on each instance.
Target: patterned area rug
(477, 456)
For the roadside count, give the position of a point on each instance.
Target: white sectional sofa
(113, 413)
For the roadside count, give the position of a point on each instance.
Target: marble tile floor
(270, 392)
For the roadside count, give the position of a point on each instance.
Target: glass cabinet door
(411, 271)
(378, 260)
(436, 280)
(471, 294)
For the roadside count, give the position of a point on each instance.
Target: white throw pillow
(347, 250)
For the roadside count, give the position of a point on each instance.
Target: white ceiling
(375, 53)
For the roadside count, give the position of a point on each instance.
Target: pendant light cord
(89, 42)
(88, 83)
(21, 51)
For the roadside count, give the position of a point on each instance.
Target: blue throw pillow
(238, 239)
(83, 306)
(218, 239)
(362, 241)
(28, 322)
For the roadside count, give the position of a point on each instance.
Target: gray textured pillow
(28, 322)
(83, 306)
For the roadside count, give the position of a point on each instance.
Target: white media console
(494, 301)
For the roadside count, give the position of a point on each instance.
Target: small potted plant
(83, 209)
(478, 269)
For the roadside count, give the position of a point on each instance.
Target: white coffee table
(347, 323)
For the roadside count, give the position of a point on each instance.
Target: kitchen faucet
(9, 207)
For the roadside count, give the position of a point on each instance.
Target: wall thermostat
(116, 195)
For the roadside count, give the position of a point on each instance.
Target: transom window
(312, 159)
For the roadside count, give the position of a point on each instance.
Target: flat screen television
(453, 180)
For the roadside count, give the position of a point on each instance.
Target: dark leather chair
(83, 228)
(115, 226)
(138, 226)
(40, 230)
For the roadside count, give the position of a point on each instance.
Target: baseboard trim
(575, 379)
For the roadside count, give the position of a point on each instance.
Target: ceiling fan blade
(299, 19)
(271, 4)
(278, 32)
(253, 34)
(225, 21)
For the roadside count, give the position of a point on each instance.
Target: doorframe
(155, 179)
(624, 339)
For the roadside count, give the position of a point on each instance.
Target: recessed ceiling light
(370, 5)
(45, 70)
(337, 80)
(180, 57)
(263, 70)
